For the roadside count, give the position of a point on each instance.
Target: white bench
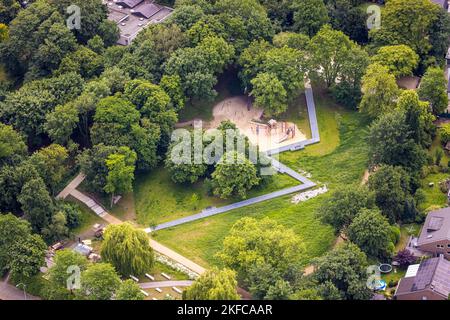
(158, 289)
(144, 293)
(134, 278)
(150, 277)
(166, 276)
(177, 290)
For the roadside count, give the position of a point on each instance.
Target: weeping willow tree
(127, 249)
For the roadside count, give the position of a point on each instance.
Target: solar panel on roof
(425, 274)
(435, 223)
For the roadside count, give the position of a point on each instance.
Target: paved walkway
(71, 186)
(10, 292)
(165, 284)
(281, 168)
(110, 219)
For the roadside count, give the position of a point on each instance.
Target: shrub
(445, 133)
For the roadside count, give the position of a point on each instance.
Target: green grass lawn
(340, 158)
(407, 230)
(158, 199)
(87, 219)
(434, 197)
(159, 268)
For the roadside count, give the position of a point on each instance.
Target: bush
(392, 283)
(438, 154)
(420, 196)
(445, 133)
(395, 234)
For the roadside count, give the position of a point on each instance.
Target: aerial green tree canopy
(401, 60)
(379, 90)
(127, 249)
(214, 284)
(251, 242)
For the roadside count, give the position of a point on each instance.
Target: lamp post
(24, 289)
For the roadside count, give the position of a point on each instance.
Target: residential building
(429, 280)
(133, 16)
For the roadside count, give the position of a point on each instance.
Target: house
(435, 234)
(429, 280)
(133, 16)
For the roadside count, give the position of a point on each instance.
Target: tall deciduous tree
(379, 90)
(129, 290)
(433, 88)
(234, 176)
(62, 261)
(266, 242)
(36, 203)
(12, 231)
(269, 93)
(344, 204)
(427, 36)
(391, 186)
(370, 231)
(309, 16)
(391, 142)
(214, 284)
(50, 162)
(344, 270)
(127, 249)
(99, 282)
(121, 167)
(329, 50)
(28, 256)
(12, 145)
(401, 60)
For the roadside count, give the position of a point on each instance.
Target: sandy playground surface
(248, 119)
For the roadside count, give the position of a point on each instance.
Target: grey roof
(436, 227)
(433, 274)
(147, 10)
(129, 3)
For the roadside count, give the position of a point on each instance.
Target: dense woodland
(72, 100)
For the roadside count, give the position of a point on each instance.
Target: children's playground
(268, 134)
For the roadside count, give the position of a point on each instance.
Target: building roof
(433, 274)
(436, 227)
(128, 3)
(147, 10)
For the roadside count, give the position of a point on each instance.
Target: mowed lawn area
(340, 158)
(158, 199)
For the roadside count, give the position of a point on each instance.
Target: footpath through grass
(340, 158)
(159, 200)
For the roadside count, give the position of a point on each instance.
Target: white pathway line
(71, 186)
(165, 284)
(281, 168)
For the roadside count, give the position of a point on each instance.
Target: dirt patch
(250, 122)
